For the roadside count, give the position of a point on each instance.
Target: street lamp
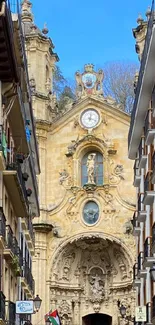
(125, 311)
(37, 303)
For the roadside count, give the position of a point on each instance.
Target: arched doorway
(89, 274)
(97, 319)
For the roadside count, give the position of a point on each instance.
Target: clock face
(90, 118)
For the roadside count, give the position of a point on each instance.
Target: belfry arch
(89, 273)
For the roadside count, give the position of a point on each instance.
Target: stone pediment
(107, 107)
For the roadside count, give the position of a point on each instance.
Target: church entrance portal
(97, 319)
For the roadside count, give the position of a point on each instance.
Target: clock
(90, 118)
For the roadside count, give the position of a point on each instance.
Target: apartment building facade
(141, 145)
(19, 164)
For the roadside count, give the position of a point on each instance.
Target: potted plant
(28, 191)
(25, 176)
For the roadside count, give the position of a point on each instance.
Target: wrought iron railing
(16, 166)
(31, 230)
(153, 234)
(135, 271)
(2, 306)
(10, 312)
(134, 220)
(2, 224)
(140, 261)
(139, 202)
(153, 306)
(147, 182)
(28, 275)
(9, 237)
(142, 69)
(148, 247)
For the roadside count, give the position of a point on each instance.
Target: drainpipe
(2, 12)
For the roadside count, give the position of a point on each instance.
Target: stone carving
(68, 260)
(96, 285)
(32, 84)
(121, 264)
(87, 138)
(128, 228)
(89, 82)
(65, 313)
(63, 176)
(91, 168)
(119, 170)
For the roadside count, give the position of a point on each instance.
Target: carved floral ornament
(70, 176)
(91, 271)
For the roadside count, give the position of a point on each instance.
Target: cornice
(42, 227)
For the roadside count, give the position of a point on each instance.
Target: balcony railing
(140, 261)
(16, 166)
(149, 313)
(147, 182)
(2, 224)
(28, 275)
(135, 271)
(2, 306)
(10, 312)
(153, 306)
(147, 124)
(141, 72)
(153, 234)
(31, 230)
(9, 237)
(148, 247)
(139, 202)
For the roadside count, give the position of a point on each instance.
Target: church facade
(84, 251)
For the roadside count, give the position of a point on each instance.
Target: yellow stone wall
(60, 230)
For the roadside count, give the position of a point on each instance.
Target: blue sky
(88, 31)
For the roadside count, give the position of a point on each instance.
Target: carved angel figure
(63, 176)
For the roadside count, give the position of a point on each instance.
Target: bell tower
(41, 62)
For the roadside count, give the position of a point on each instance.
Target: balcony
(153, 168)
(149, 128)
(149, 259)
(11, 251)
(15, 185)
(29, 235)
(137, 175)
(27, 280)
(149, 194)
(142, 273)
(10, 308)
(2, 228)
(144, 88)
(136, 227)
(153, 310)
(2, 308)
(149, 313)
(153, 238)
(141, 214)
(136, 280)
(2, 149)
(142, 156)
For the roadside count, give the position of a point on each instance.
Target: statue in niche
(91, 168)
(97, 285)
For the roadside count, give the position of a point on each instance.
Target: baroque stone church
(84, 249)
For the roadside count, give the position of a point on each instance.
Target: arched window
(98, 169)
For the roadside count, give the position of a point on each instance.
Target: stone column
(76, 318)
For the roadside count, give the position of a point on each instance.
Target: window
(98, 170)
(91, 213)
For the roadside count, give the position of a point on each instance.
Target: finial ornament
(148, 12)
(139, 19)
(45, 29)
(26, 12)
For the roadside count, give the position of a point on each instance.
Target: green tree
(63, 88)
